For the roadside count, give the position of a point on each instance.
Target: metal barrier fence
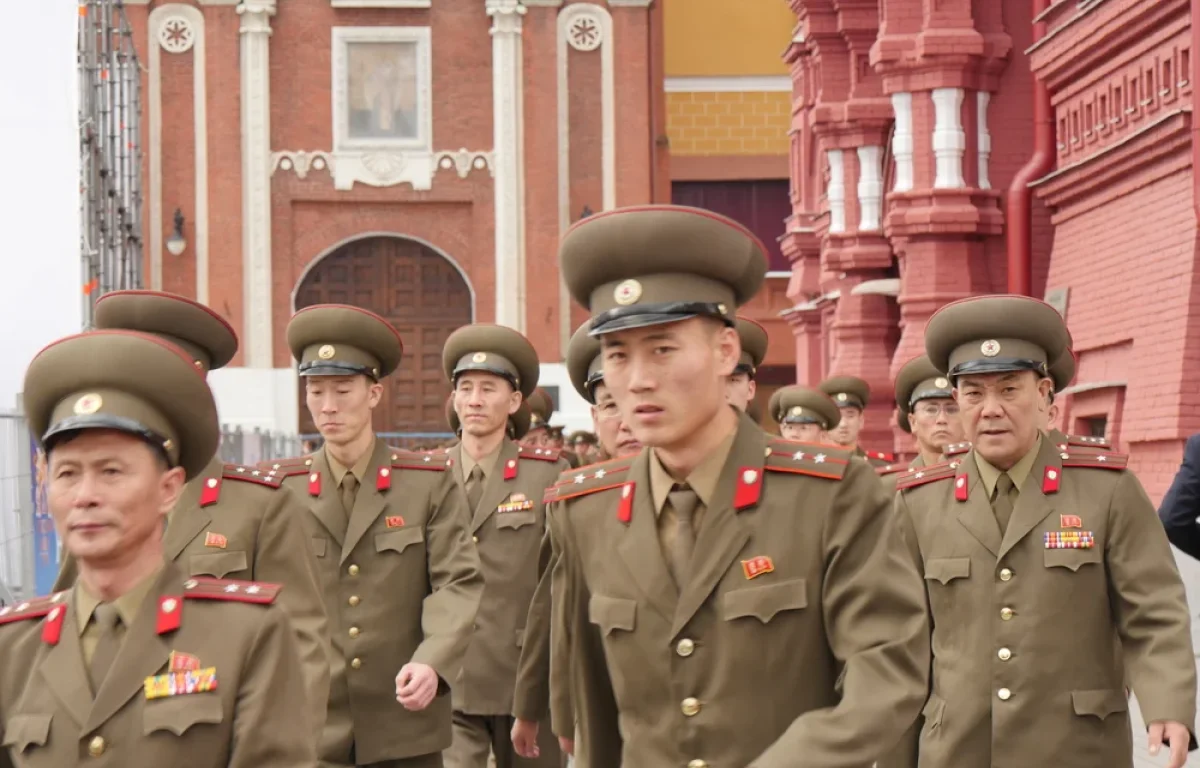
(16, 508)
(241, 446)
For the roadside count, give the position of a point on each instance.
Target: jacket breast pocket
(612, 614)
(944, 579)
(515, 520)
(24, 731)
(179, 714)
(217, 564)
(766, 602)
(398, 540)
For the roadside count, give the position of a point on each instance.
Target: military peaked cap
(493, 349)
(996, 334)
(340, 340)
(847, 391)
(754, 346)
(919, 380)
(189, 325)
(802, 405)
(585, 365)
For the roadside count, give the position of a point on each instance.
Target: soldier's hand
(1176, 735)
(524, 738)
(567, 746)
(416, 686)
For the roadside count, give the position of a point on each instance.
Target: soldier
(1035, 561)
(852, 395)
(401, 577)
(231, 521)
(743, 383)
(925, 408)
(542, 408)
(492, 369)
(139, 664)
(803, 414)
(585, 446)
(518, 423)
(730, 576)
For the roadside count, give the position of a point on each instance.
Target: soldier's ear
(729, 350)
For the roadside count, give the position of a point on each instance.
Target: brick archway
(421, 292)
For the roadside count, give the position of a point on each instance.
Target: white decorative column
(949, 139)
(836, 192)
(902, 141)
(983, 137)
(509, 165)
(870, 188)
(257, 335)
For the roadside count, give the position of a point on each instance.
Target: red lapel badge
(182, 662)
(749, 488)
(757, 566)
(53, 624)
(625, 506)
(394, 521)
(510, 469)
(210, 492)
(169, 613)
(383, 480)
(215, 540)
(960, 487)
(1050, 480)
(1070, 521)
(314, 484)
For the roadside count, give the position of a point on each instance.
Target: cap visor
(103, 421)
(334, 369)
(629, 322)
(999, 365)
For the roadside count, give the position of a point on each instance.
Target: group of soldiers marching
(707, 596)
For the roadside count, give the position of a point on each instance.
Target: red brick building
(928, 166)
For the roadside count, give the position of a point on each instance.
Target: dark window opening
(760, 206)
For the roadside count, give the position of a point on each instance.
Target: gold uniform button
(354, 600)
(353, 570)
(475, 539)
(97, 746)
(353, 631)
(1005, 574)
(697, 764)
(690, 707)
(1004, 694)
(1006, 613)
(356, 663)
(1004, 654)
(685, 647)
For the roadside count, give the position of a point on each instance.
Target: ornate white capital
(506, 16)
(256, 15)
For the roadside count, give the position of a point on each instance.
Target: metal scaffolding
(110, 144)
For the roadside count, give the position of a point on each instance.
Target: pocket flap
(1072, 558)
(764, 602)
(399, 539)
(610, 613)
(22, 731)
(179, 713)
(318, 545)
(515, 519)
(946, 569)
(217, 564)
(1099, 704)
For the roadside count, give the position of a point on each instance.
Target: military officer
(401, 577)
(139, 664)
(518, 423)
(804, 414)
(726, 617)
(542, 408)
(925, 408)
(852, 395)
(492, 368)
(743, 383)
(1035, 561)
(231, 521)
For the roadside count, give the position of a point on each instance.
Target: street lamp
(176, 244)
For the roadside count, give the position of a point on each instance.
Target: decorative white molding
(195, 19)
(463, 161)
(176, 35)
(836, 193)
(584, 32)
(630, 3)
(732, 84)
(902, 141)
(301, 162)
(983, 138)
(608, 132)
(949, 139)
(543, 3)
(870, 188)
(380, 4)
(255, 32)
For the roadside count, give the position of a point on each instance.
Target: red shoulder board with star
(590, 479)
(231, 590)
(34, 608)
(270, 478)
(890, 469)
(880, 455)
(541, 454)
(957, 449)
(925, 475)
(1084, 441)
(813, 459)
(434, 462)
(1095, 460)
(284, 468)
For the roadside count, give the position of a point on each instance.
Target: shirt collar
(703, 479)
(989, 474)
(127, 605)
(359, 470)
(486, 463)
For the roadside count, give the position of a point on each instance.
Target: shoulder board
(268, 477)
(812, 459)
(890, 469)
(924, 475)
(590, 479)
(957, 449)
(35, 608)
(1095, 459)
(541, 454)
(287, 467)
(881, 455)
(435, 462)
(231, 591)
(1085, 441)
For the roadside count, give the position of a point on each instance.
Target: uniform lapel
(495, 488)
(370, 501)
(975, 514)
(1032, 505)
(188, 518)
(638, 544)
(62, 667)
(722, 533)
(327, 507)
(143, 653)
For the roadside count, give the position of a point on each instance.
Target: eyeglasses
(930, 410)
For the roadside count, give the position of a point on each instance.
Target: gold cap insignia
(479, 357)
(722, 309)
(842, 397)
(941, 383)
(796, 411)
(627, 292)
(990, 348)
(88, 404)
(326, 352)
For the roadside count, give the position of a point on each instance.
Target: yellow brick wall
(750, 123)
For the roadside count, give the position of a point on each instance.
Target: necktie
(349, 489)
(475, 487)
(684, 501)
(1002, 503)
(108, 621)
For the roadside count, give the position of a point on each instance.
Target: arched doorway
(420, 292)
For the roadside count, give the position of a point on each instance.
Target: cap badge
(326, 352)
(797, 410)
(88, 404)
(990, 348)
(479, 357)
(941, 383)
(841, 396)
(627, 292)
